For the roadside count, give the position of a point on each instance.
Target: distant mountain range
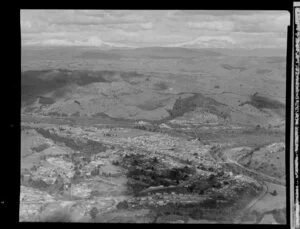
(160, 52)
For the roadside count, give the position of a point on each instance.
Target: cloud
(50, 42)
(90, 41)
(207, 41)
(261, 22)
(247, 21)
(259, 40)
(125, 34)
(76, 18)
(221, 13)
(132, 27)
(212, 25)
(26, 24)
(97, 13)
(148, 25)
(154, 27)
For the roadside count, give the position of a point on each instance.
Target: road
(261, 175)
(252, 203)
(263, 180)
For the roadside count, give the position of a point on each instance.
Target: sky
(146, 28)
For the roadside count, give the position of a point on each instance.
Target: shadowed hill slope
(36, 83)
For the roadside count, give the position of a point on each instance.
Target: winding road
(261, 180)
(247, 208)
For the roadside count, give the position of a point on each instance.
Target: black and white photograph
(153, 116)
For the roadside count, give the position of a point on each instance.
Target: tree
(115, 163)
(274, 193)
(93, 212)
(211, 177)
(135, 162)
(34, 168)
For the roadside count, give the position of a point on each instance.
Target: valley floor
(151, 173)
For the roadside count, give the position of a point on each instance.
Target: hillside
(255, 94)
(152, 135)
